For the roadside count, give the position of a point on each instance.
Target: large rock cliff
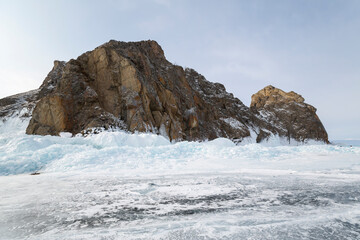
(133, 87)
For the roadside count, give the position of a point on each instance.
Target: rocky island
(131, 86)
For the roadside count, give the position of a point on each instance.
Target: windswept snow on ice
(269, 205)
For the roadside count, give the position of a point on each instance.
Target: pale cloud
(14, 82)
(166, 3)
(244, 60)
(154, 25)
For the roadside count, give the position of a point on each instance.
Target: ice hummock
(146, 153)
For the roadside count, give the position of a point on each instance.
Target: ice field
(115, 185)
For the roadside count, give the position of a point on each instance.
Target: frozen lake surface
(243, 205)
(119, 186)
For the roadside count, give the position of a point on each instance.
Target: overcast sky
(310, 47)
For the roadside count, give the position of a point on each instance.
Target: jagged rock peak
(271, 94)
(150, 47)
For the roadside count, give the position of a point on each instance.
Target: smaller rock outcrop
(288, 114)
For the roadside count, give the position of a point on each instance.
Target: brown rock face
(133, 87)
(288, 113)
